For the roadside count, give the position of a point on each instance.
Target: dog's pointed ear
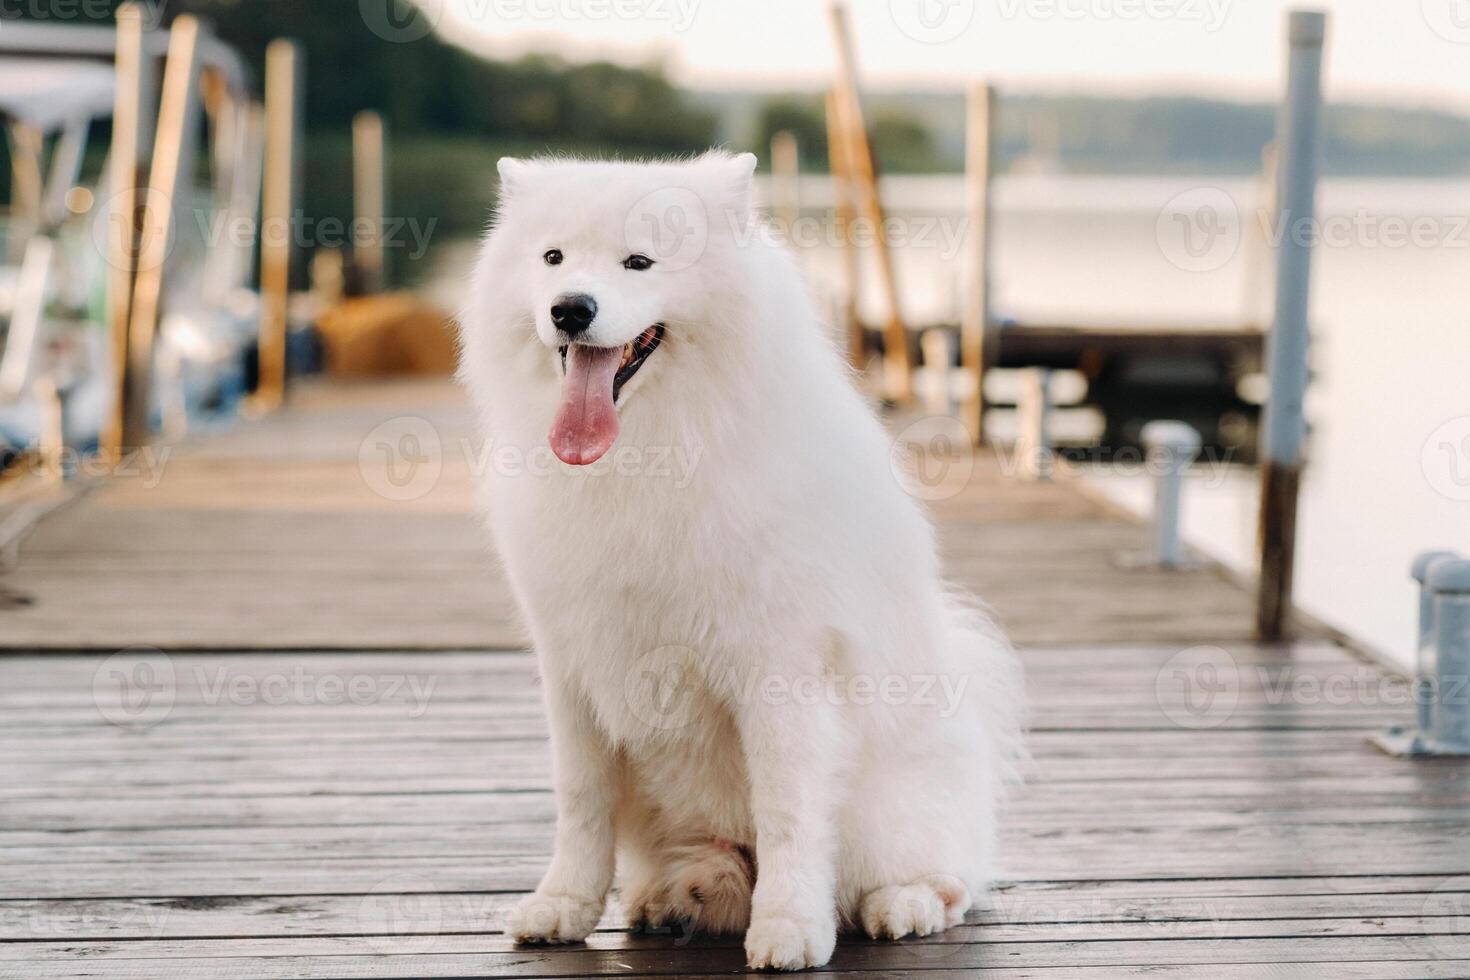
(735, 175)
(513, 175)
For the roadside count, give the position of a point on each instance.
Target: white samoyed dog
(766, 709)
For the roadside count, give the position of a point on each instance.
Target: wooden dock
(332, 763)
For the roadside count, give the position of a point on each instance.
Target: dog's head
(612, 268)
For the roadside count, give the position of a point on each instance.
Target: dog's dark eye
(638, 262)
(553, 256)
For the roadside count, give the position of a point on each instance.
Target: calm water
(1389, 470)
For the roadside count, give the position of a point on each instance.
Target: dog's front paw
(919, 908)
(544, 918)
(788, 942)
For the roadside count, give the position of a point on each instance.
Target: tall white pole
(1284, 430)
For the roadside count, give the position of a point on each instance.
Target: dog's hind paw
(919, 908)
(781, 942)
(542, 918)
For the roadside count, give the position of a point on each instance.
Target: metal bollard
(1424, 661)
(1442, 661)
(1449, 582)
(1033, 407)
(1173, 446)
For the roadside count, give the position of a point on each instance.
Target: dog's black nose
(573, 313)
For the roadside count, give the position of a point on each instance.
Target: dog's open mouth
(635, 352)
(586, 422)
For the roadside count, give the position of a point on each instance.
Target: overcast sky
(1414, 51)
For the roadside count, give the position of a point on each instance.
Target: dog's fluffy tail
(997, 684)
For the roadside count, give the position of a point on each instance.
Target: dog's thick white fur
(762, 697)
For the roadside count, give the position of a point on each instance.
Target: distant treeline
(924, 132)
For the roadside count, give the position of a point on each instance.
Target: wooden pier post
(977, 343)
(838, 152)
(130, 119)
(1284, 429)
(277, 231)
(369, 202)
(786, 180)
(898, 366)
(169, 191)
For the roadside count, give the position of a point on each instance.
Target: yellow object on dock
(387, 334)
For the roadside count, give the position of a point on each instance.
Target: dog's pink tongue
(586, 422)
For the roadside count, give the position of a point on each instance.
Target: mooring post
(278, 204)
(786, 181)
(1449, 581)
(369, 202)
(1424, 660)
(1171, 447)
(1033, 409)
(1284, 428)
(898, 366)
(843, 212)
(977, 342)
(167, 204)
